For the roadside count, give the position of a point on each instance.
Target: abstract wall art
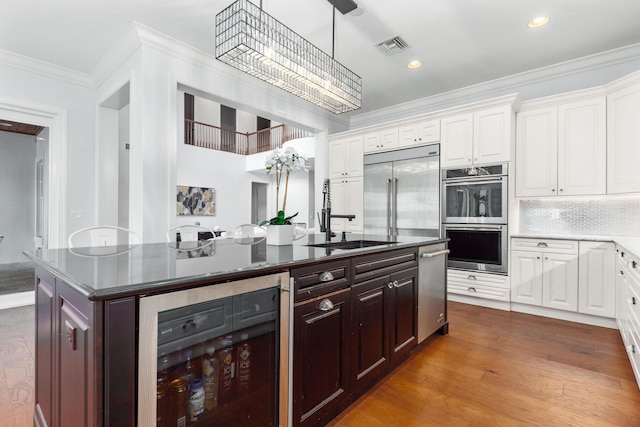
(195, 201)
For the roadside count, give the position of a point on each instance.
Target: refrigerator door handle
(394, 214)
(389, 210)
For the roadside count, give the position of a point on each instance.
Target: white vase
(279, 235)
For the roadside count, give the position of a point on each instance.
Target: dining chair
(103, 235)
(189, 236)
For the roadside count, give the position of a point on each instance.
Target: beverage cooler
(212, 356)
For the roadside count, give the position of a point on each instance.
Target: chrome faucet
(325, 221)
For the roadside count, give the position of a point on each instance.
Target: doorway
(24, 157)
(259, 202)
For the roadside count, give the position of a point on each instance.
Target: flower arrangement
(283, 161)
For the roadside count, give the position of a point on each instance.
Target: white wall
(17, 189)
(77, 103)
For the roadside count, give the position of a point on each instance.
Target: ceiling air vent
(392, 46)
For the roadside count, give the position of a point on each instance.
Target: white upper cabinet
(623, 139)
(456, 148)
(561, 149)
(479, 137)
(424, 132)
(386, 139)
(346, 157)
(347, 196)
(537, 152)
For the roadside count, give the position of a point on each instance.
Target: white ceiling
(460, 42)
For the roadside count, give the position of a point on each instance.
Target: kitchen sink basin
(351, 244)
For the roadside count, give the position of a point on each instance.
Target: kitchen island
(92, 331)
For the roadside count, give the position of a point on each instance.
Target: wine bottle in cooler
(227, 371)
(244, 364)
(210, 374)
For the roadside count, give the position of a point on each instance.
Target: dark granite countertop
(114, 272)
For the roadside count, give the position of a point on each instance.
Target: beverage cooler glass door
(215, 355)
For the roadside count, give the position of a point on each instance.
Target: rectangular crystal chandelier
(252, 41)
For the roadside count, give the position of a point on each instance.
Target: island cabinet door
(321, 358)
(370, 326)
(403, 313)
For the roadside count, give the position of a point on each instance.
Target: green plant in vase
(283, 161)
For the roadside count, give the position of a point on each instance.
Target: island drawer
(320, 279)
(368, 266)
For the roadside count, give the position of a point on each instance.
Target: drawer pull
(633, 264)
(325, 305)
(393, 284)
(632, 300)
(471, 289)
(471, 277)
(543, 245)
(325, 276)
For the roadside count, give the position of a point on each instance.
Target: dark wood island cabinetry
(353, 314)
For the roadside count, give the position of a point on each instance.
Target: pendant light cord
(333, 36)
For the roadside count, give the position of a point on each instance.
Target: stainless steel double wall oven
(474, 217)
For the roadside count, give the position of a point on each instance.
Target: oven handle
(470, 181)
(471, 227)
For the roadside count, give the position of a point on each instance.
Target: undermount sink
(351, 244)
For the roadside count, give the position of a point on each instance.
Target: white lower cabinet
(545, 274)
(628, 305)
(481, 285)
(596, 289)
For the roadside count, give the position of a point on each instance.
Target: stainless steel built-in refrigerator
(402, 192)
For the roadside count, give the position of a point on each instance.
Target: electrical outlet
(555, 213)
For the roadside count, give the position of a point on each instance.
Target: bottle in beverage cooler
(244, 364)
(227, 371)
(178, 399)
(210, 378)
(196, 400)
(189, 373)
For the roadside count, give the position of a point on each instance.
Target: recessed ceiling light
(538, 22)
(414, 64)
(6, 124)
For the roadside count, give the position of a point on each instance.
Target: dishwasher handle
(434, 254)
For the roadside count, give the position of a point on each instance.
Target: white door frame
(55, 118)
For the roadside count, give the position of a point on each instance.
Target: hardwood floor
(500, 368)
(17, 350)
(494, 368)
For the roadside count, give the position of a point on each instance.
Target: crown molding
(35, 66)
(503, 85)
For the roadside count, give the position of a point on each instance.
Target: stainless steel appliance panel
(377, 215)
(477, 247)
(402, 192)
(480, 198)
(432, 289)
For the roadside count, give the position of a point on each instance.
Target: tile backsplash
(606, 216)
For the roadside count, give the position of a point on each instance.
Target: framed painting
(196, 201)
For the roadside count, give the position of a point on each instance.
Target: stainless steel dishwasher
(432, 289)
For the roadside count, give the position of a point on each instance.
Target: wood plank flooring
(494, 368)
(500, 368)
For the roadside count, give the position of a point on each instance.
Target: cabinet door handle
(632, 300)
(472, 289)
(631, 348)
(633, 264)
(395, 283)
(471, 277)
(325, 276)
(543, 245)
(390, 285)
(325, 305)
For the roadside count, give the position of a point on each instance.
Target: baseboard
(17, 300)
(570, 316)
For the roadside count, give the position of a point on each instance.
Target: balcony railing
(216, 138)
